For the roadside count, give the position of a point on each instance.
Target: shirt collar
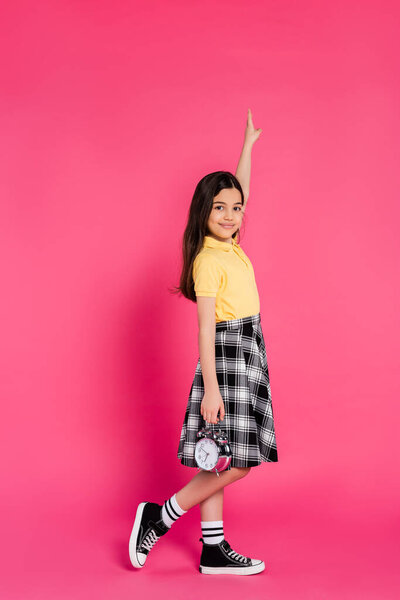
(210, 242)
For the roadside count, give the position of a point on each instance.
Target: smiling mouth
(227, 226)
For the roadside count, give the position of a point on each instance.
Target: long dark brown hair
(200, 208)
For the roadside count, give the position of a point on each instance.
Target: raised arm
(244, 165)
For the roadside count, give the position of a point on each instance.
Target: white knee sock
(171, 511)
(212, 531)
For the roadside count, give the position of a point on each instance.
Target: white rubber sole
(134, 535)
(233, 570)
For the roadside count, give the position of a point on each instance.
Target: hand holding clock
(210, 405)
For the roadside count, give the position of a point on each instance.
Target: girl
(231, 377)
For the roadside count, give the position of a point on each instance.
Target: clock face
(206, 453)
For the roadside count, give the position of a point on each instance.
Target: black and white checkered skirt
(243, 379)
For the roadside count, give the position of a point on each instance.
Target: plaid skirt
(243, 380)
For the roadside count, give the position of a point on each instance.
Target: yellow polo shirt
(222, 270)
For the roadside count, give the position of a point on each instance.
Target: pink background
(110, 114)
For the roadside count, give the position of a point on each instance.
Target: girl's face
(226, 214)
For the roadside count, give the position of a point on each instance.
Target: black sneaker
(147, 530)
(218, 559)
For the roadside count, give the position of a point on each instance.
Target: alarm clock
(212, 451)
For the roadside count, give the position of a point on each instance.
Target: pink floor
(62, 551)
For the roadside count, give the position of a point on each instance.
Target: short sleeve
(207, 275)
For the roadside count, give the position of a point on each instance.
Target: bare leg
(211, 509)
(205, 484)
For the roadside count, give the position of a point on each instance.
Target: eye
(220, 206)
(238, 207)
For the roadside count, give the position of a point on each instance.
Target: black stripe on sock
(171, 516)
(172, 508)
(211, 528)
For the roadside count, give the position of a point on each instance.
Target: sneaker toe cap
(256, 561)
(141, 557)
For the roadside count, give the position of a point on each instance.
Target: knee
(240, 472)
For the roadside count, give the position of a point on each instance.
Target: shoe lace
(149, 540)
(236, 555)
